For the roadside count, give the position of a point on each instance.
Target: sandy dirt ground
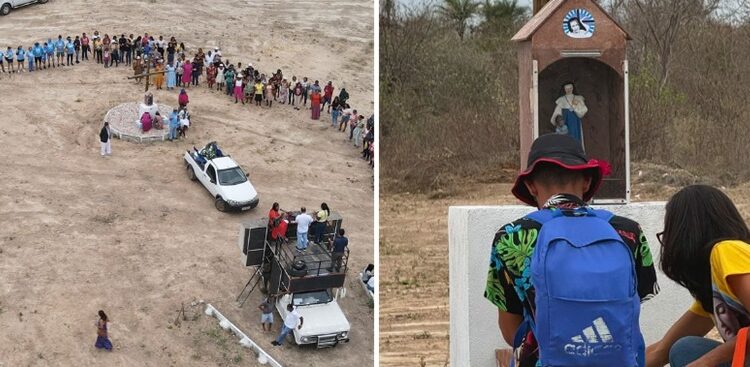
(130, 234)
(415, 312)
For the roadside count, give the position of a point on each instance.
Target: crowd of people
(168, 64)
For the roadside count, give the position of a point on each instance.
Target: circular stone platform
(122, 122)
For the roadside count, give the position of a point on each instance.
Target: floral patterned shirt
(508, 278)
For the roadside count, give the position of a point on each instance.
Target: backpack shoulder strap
(603, 214)
(544, 215)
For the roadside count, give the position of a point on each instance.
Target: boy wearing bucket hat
(555, 273)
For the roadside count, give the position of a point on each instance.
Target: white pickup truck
(227, 183)
(7, 5)
(325, 323)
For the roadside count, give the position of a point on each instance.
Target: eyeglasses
(660, 238)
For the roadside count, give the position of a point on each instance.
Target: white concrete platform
(474, 332)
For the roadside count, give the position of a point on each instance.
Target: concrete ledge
(474, 332)
(263, 357)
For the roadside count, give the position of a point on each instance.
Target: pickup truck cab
(7, 5)
(324, 323)
(227, 183)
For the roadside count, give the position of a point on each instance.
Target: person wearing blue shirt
(30, 53)
(50, 48)
(9, 55)
(21, 57)
(2, 64)
(38, 52)
(338, 250)
(71, 49)
(174, 123)
(59, 50)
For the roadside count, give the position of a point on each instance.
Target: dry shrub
(448, 107)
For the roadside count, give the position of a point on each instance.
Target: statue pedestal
(143, 108)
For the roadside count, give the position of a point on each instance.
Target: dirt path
(131, 234)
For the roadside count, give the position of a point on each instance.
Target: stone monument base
(124, 121)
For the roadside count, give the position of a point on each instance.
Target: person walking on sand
(102, 337)
(105, 137)
(266, 318)
(291, 321)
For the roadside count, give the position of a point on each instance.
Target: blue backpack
(587, 303)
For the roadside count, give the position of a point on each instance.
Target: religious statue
(569, 111)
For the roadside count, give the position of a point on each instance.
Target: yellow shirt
(322, 216)
(258, 88)
(729, 314)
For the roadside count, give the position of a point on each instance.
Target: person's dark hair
(103, 316)
(303, 209)
(341, 231)
(562, 88)
(370, 267)
(290, 307)
(549, 174)
(324, 206)
(697, 218)
(275, 206)
(580, 24)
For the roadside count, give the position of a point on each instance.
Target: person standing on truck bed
(319, 227)
(290, 322)
(337, 252)
(303, 221)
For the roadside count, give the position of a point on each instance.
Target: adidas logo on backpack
(581, 271)
(595, 339)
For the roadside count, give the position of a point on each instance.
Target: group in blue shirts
(42, 55)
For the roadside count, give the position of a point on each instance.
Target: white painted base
(474, 329)
(263, 357)
(143, 108)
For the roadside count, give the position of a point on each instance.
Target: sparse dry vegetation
(449, 105)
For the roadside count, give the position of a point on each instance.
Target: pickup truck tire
(191, 173)
(5, 9)
(220, 204)
(298, 268)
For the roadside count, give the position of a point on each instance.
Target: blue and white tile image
(579, 23)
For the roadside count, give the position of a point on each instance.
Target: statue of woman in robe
(571, 107)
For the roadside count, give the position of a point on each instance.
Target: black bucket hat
(566, 152)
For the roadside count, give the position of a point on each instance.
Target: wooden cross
(147, 74)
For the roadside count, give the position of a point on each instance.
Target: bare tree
(664, 22)
(459, 12)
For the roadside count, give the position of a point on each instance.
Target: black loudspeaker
(253, 236)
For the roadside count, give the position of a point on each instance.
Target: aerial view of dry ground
(414, 321)
(130, 234)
